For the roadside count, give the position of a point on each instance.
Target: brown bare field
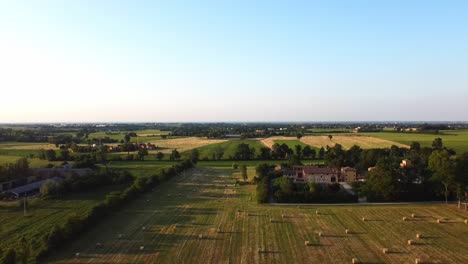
(347, 141)
(183, 144)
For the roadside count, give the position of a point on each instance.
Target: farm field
(179, 221)
(347, 141)
(229, 147)
(144, 136)
(183, 144)
(43, 215)
(141, 168)
(456, 139)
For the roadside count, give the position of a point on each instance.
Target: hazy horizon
(242, 61)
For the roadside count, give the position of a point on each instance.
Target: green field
(43, 215)
(144, 136)
(141, 168)
(456, 139)
(168, 223)
(229, 148)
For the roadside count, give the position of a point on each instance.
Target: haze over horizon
(185, 61)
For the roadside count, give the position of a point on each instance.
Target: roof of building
(320, 170)
(32, 186)
(80, 172)
(348, 169)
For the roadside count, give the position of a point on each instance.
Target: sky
(201, 61)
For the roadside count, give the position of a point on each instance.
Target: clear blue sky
(233, 60)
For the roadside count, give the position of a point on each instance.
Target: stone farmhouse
(317, 174)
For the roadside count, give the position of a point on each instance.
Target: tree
(64, 154)
(298, 136)
(51, 188)
(127, 138)
(321, 153)
(265, 153)
(298, 149)
(50, 155)
(235, 166)
(461, 177)
(10, 257)
(335, 156)
(243, 170)
(142, 152)
(195, 155)
(175, 155)
(381, 183)
(307, 152)
(159, 155)
(415, 146)
(443, 168)
(244, 152)
(330, 137)
(219, 152)
(437, 144)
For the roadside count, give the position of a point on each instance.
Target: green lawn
(229, 148)
(292, 143)
(456, 139)
(169, 221)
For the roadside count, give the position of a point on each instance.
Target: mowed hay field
(456, 139)
(347, 141)
(183, 144)
(229, 147)
(43, 215)
(193, 218)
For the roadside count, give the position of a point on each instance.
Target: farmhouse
(31, 187)
(318, 174)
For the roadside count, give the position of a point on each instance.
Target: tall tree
(159, 155)
(437, 144)
(443, 168)
(175, 155)
(243, 170)
(195, 155)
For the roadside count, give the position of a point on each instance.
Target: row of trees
(17, 170)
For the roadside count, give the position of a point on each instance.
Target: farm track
(197, 203)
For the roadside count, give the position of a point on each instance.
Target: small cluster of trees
(16, 170)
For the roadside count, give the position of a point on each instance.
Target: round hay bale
(418, 261)
(283, 216)
(466, 221)
(271, 220)
(413, 215)
(317, 212)
(194, 222)
(120, 236)
(200, 236)
(404, 218)
(347, 231)
(385, 250)
(364, 219)
(168, 195)
(142, 248)
(320, 234)
(439, 221)
(410, 242)
(77, 254)
(354, 261)
(307, 243)
(259, 250)
(418, 236)
(98, 245)
(143, 228)
(218, 230)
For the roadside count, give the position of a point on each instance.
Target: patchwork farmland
(194, 218)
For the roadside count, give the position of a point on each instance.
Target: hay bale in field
(466, 221)
(218, 230)
(320, 234)
(413, 215)
(120, 236)
(168, 195)
(385, 250)
(355, 261)
(77, 254)
(404, 218)
(271, 220)
(142, 248)
(194, 222)
(410, 242)
(317, 212)
(364, 219)
(259, 250)
(347, 231)
(417, 261)
(307, 243)
(439, 221)
(418, 235)
(148, 200)
(200, 236)
(98, 245)
(283, 216)
(143, 228)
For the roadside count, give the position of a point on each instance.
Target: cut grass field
(141, 168)
(346, 140)
(144, 136)
(456, 139)
(43, 215)
(229, 148)
(183, 144)
(193, 218)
